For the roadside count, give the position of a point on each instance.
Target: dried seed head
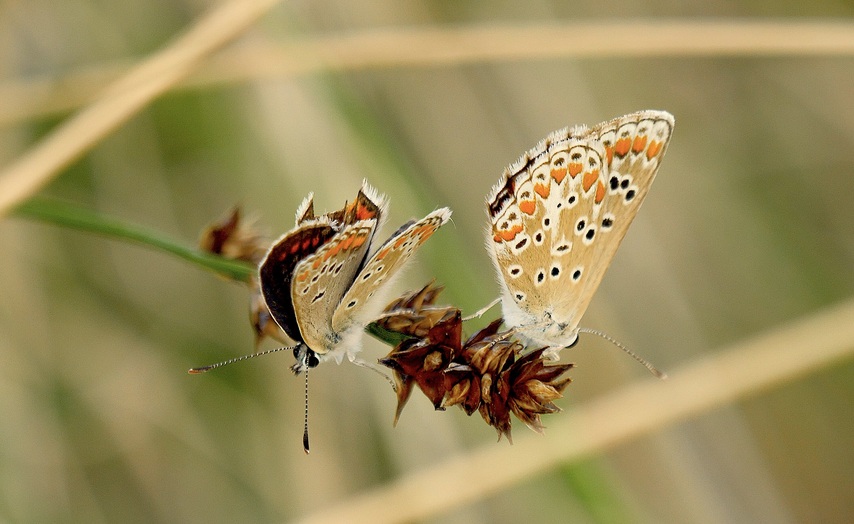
(489, 373)
(424, 361)
(414, 314)
(235, 238)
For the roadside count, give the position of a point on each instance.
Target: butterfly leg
(365, 364)
(480, 312)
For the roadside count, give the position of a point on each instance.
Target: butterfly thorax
(545, 329)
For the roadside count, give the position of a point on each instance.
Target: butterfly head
(306, 359)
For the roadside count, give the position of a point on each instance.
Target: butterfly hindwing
(321, 280)
(550, 196)
(357, 305)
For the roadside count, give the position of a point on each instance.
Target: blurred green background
(748, 228)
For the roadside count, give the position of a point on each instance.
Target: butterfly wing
(307, 270)
(634, 147)
(321, 279)
(363, 301)
(560, 213)
(276, 271)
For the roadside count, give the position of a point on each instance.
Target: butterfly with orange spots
(319, 282)
(559, 213)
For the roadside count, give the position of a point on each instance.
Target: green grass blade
(70, 215)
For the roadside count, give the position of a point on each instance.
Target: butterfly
(558, 215)
(320, 281)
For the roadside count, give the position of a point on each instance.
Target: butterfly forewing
(358, 305)
(560, 212)
(634, 145)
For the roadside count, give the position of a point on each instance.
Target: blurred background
(747, 228)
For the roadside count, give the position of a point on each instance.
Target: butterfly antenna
(648, 365)
(204, 369)
(305, 426)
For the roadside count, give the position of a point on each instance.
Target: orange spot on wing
(528, 206)
(426, 231)
(574, 169)
(331, 252)
(399, 242)
(559, 174)
(507, 235)
(542, 190)
(639, 144)
(609, 152)
(590, 178)
(653, 150)
(600, 192)
(359, 240)
(621, 148)
(382, 254)
(302, 276)
(363, 213)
